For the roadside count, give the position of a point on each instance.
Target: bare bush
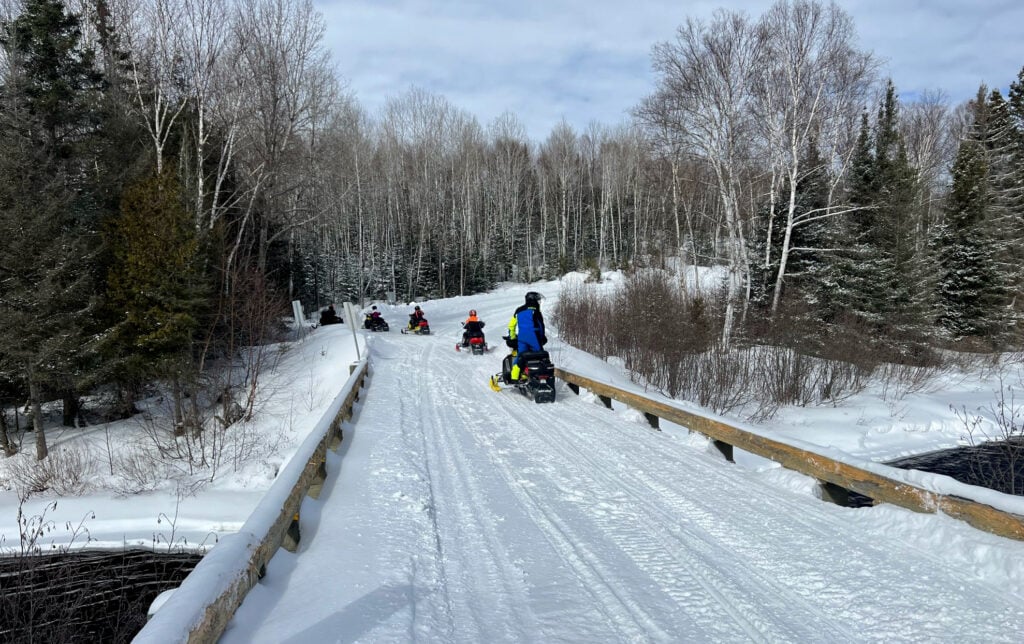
(668, 338)
(65, 471)
(997, 457)
(900, 380)
(136, 470)
(198, 455)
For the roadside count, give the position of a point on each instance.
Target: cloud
(589, 60)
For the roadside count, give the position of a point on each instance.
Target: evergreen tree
(155, 287)
(886, 281)
(846, 284)
(47, 207)
(1011, 257)
(968, 290)
(977, 241)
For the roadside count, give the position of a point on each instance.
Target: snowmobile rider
(474, 328)
(375, 320)
(416, 317)
(527, 328)
(329, 316)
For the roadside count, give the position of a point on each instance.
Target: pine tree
(1011, 259)
(969, 293)
(886, 281)
(47, 211)
(980, 236)
(155, 287)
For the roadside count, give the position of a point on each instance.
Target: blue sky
(589, 60)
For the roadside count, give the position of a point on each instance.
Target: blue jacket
(527, 326)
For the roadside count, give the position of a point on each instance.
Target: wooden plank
(844, 475)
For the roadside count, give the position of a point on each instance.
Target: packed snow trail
(456, 514)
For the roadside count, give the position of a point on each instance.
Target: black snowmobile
(536, 379)
(375, 323)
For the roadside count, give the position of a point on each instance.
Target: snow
(453, 513)
(184, 511)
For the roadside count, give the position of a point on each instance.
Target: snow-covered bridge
(451, 513)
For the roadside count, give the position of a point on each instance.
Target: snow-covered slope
(456, 514)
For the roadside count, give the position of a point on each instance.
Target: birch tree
(813, 80)
(705, 80)
(155, 47)
(929, 132)
(512, 190)
(286, 67)
(560, 172)
(205, 69)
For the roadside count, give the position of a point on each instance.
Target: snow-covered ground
(181, 508)
(454, 513)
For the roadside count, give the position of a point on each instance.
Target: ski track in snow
(507, 521)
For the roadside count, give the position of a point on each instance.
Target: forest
(173, 173)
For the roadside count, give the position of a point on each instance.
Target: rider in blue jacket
(527, 328)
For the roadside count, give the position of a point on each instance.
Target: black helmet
(373, 308)
(416, 308)
(472, 312)
(533, 298)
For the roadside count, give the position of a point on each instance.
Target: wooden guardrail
(837, 478)
(200, 609)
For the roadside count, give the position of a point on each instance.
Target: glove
(543, 340)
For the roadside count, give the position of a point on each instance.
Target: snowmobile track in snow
(502, 520)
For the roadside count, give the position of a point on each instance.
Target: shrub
(65, 472)
(669, 338)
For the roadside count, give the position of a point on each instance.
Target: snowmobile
(536, 380)
(476, 345)
(375, 323)
(420, 328)
(473, 339)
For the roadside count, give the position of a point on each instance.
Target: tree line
(174, 171)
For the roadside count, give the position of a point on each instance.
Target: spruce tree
(985, 201)
(47, 209)
(846, 285)
(1011, 258)
(886, 280)
(155, 286)
(968, 290)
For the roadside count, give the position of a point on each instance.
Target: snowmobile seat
(537, 362)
